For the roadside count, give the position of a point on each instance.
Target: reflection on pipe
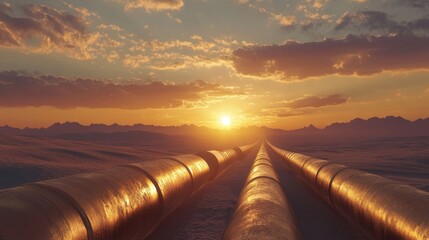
(125, 202)
(262, 211)
(383, 208)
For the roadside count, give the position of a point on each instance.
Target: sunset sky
(283, 64)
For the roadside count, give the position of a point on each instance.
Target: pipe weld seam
(318, 170)
(212, 161)
(330, 185)
(255, 165)
(71, 201)
(158, 190)
(187, 168)
(262, 158)
(260, 177)
(302, 166)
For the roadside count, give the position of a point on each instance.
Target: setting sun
(225, 121)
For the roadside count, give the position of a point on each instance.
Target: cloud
(44, 29)
(318, 3)
(314, 18)
(376, 20)
(300, 106)
(288, 114)
(285, 21)
(174, 61)
(196, 43)
(110, 27)
(314, 101)
(21, 90)
(414, 3)
(369, 19)
(153, 5)
(419, 25)
(181, 54)
(135, 61)
(348, 56)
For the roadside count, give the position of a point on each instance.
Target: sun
(225, 121)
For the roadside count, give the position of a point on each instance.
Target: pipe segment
(248, 148)
(383, 208)
(124, 202)
(262, 211)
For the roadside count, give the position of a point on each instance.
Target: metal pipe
(383, 208)
(125, 202)
(263, 211)
(247, 148)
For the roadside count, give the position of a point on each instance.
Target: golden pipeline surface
(383, 208)
(262, 211)
(122, 203)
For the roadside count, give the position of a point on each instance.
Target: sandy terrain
(29, 159)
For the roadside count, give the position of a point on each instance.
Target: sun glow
(225, 121)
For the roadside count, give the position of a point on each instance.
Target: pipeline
(125, 202)
(383, 208)
(247, 148)
(263, 211)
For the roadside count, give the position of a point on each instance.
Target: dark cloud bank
(376, 20)
(18, 90)
(359, 55)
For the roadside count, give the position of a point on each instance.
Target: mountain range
(384, 127)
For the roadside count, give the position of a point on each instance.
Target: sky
(282, 64)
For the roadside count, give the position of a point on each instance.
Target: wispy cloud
(300, 106)
(153, 5)
(196, 52)
(317, 101)
(285, 21)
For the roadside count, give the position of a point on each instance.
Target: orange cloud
(314, 101)
(153, 5)
(301, 106)
(197, 43)
(349, 56)
(168, 55)
(283, 20)
(44, 29)
(19, 90)
(318, 3)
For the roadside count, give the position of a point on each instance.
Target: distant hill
(76, 128)
(373, 127)
(387, 126)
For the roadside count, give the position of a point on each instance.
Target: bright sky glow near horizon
(283, 64)
(225, 120)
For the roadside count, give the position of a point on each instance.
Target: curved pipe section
(125, 202)
(219, 161)
(263, 211)
(383, 208)
(247, 148)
